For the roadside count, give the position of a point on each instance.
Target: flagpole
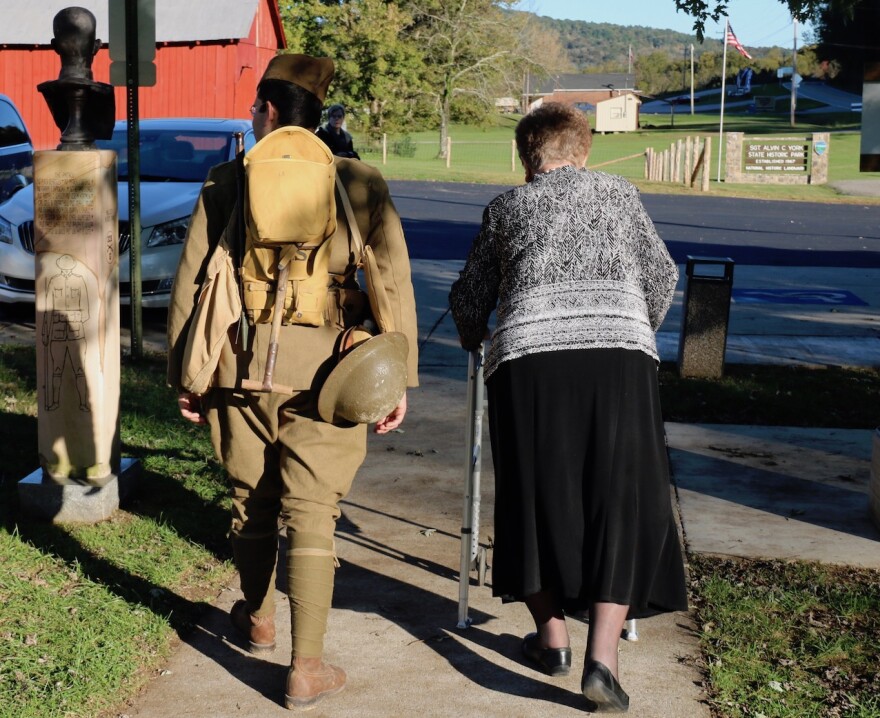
(630, 57)
(794, 73)
(723, 91)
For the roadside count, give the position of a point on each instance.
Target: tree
(476, 51)
(801, 10)
(377, 69)
(845, 43)
(472, 50)
(658, 74)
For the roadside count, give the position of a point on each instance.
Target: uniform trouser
(284, 462)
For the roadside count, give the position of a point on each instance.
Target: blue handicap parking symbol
(829, 297)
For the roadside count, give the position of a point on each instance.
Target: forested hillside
(603, 46)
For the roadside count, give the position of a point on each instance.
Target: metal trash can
(704, 318)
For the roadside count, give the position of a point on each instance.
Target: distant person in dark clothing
(337, 139)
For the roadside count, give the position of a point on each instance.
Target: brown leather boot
(259, 632)
(309, 681)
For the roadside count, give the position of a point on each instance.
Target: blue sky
(756, 23)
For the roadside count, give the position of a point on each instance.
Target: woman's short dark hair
(553, 132)
(296, 105)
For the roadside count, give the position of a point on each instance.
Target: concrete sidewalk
(741, 491)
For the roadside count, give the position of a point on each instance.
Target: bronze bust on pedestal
(83, 109)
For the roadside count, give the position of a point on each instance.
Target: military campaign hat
(311, 73)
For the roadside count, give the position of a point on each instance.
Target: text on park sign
(774, 156)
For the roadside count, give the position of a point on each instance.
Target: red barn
(209, 56)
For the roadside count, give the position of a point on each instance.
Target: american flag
(731, 40)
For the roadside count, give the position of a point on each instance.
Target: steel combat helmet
(368, 382)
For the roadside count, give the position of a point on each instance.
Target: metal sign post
(134, 175)
(133, 47)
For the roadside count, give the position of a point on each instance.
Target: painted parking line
(835, 297)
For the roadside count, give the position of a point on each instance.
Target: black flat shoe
(555, 661)
(602, 690)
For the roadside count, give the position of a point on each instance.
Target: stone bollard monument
(77, 293)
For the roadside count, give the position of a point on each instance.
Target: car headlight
(173, 232)
(5, 231)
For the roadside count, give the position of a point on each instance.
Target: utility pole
(692, 78)
(684, 66)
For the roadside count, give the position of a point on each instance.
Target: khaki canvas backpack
(290, 212)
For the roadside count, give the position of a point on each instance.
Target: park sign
(776, 155)
(777, 160)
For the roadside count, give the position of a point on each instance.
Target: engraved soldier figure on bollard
(67, 307)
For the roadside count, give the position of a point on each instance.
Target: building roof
(581, 83)
(30, 23)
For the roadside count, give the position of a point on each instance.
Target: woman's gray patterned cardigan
(573, 262)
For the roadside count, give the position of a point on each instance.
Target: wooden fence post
(708, 151)
(688, 160)
(673, 163)
(682, 161)
(699, 157)
(384, 148)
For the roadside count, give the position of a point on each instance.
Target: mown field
(486, 154)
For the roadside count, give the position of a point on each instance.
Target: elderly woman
(583, 515)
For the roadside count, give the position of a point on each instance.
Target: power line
(757, 43)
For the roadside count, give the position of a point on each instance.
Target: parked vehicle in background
(175, 156)
(16, 151)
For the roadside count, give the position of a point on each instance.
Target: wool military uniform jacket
(305, 353)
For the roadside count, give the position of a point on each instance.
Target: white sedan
(176, 154)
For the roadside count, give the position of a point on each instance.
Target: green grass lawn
(485, 155)
(89, 613)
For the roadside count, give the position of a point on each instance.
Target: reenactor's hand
(190, 406)
(393, 420)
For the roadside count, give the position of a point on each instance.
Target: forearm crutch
(472, 555)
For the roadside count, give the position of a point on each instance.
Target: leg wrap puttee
(255, 559)
(311, 564)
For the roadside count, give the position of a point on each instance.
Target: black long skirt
(582, 496)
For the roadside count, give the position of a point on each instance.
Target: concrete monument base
(72, 501)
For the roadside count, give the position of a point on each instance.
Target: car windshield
(12, 132)
(172, 155)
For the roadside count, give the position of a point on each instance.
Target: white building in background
(618, 114)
